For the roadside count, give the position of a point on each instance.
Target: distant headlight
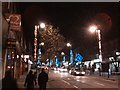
(70, 71)
(82, 72)
(77, 72)
(63, 69)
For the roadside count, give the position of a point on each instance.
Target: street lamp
(42, 25)
(95, 29)
(68, 45)
(41, 44)
(62, 53)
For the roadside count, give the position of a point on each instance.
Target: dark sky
(73, 20)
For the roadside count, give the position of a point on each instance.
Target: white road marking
(75, 86)
(69, 84)
(99, 84)
(68, 78)
(66, 82)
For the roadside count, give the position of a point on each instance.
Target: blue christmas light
(78, 57)
(71, 56)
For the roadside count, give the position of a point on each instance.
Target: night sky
(73, 20)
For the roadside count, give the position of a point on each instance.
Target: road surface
(65, 81)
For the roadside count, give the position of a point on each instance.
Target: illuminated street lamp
(95, 29)
(68, 45)
(42, 25)
(42, 44)
(62, 53)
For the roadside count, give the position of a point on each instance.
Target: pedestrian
(42, 80)
(30, 81)
(8, 82)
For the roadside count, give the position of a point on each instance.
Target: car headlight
(82, 72)
(70, 71)
(65, 69)
(77, 72)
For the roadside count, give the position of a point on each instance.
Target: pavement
(21, 81)
(105, 75)
(111, 77)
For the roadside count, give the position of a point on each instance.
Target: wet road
(65, 81)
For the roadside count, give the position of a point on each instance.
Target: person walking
(30, 81)
(42, 80)
(35, 75)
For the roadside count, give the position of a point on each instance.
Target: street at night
(60, 46)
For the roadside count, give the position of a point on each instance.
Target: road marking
(100, 84)
(75, 86)
(66, 82)
(69, 84)
(68, 78)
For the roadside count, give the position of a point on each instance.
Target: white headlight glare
(83, 72)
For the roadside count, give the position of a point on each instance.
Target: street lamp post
(94, 29)
(71, 54)
(63, 56)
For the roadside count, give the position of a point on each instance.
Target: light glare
(68, 45)
(42, 25)
(93, 29)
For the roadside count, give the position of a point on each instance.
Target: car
(63, 69)
(79, 72)
(76, 71)
(56, 69)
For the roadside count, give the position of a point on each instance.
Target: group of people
(31, 80)
(8, 82)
